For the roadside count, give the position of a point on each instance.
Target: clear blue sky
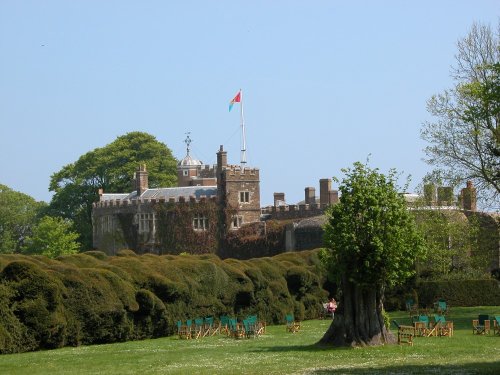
(325, 83)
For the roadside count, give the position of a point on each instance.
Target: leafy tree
(371, 243)
(52, 237)
(110, 168)
(464, 140)
(18, 214)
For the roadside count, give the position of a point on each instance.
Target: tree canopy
(372, 243)
(18, 215)
(52, 236)
(464, 140)
(110, 168)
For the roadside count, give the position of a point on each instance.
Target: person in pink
(332, 306)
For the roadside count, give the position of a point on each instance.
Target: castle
(231, 188)
(211, 202)
(134, 220)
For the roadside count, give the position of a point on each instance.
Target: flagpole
(243, 136)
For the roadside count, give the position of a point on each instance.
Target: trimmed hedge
(91, 298)
(460, 292)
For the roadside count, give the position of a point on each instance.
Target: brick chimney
(310, 195)
(468, 197)
(279, 198)
(141, 179)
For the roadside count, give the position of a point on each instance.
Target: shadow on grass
(487, 368)
(469, 368)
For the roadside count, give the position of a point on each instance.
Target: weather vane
(188, 141)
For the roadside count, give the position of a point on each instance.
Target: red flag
(236, 99)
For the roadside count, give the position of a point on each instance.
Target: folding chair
(421, 325)
(291, 325)
(481, 325)
(496, 325)
(183, 331)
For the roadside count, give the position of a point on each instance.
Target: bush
(92, 298)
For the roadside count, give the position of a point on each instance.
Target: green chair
(236, 330)
(481, 325)
(183, 331)
(496, 325)
(441, 307)
(249, 325)
(208, 326)
(197, 329)
(292, 325)
(411, 306)
(421, 324)
(224, 325)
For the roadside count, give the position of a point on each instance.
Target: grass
(276, 352)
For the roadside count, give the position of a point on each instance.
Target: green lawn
(276, 352)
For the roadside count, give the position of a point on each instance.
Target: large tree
(371, 243)
(18, 215)
(110, 168)
(464, 140)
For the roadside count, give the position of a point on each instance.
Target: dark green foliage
(92, 298)
(460, 292)
(111, 168)
(247, 243)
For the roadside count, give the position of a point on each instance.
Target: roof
(189, 161)
(166, 193)
(112, 197)
(176, 192)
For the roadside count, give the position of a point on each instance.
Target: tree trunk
(358, 319)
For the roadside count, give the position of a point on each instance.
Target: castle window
(185, 172)
(244, 196)
(146, 222)
(237, 222)
(107, 224)
(200, 222)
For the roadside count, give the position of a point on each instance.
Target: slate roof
(166, 193)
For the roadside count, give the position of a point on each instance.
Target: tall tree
(18, 215)
(371, 243)
(52, 236)
(110, 168)
(464, 140)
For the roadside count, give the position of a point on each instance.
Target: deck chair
(183, 331)
(249, 325)
(260, 327)
(236, 330)
(481, 325)
(405, 333)
(224, 325)
(411, 307)
(197, 328)
(435, 328)
(444, 328)
(291, 324)
(496, 325)
(209, 327)
(441, 307)
(421, 325)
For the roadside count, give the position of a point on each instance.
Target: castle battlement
(236, 170)
(152, 201)
(293, 211)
